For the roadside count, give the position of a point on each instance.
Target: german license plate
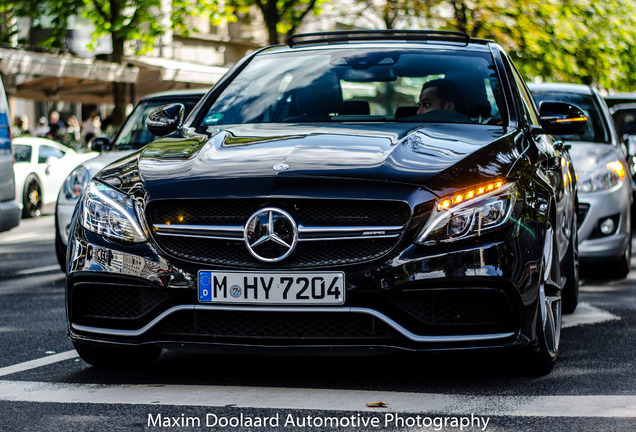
(325, 288)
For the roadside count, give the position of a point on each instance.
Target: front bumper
(614, 203)
(469, 298)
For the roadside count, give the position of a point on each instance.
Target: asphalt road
(44, 386)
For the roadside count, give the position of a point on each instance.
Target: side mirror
(165, 119)
(100, 144)
(560, 118)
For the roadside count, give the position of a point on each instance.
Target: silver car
(9, 208)
(132, 136)
(604, 180)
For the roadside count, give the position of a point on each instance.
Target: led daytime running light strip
(572, 120)
(450, 201)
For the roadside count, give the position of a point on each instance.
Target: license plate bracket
(294, 288)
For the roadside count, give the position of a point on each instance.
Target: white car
(41, 166)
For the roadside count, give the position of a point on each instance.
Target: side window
(46, 152)
(527, 98)
(22, 153)
(528, 106)
(5, 143)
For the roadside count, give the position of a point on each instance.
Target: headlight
(609, 176)
(76, 182)
(110, 213)
(468, 213)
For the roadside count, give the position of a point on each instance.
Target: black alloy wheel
(545, 349)
(32, 197)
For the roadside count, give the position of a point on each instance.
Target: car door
(552, 160)
(52, 171)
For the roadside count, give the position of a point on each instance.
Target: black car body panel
(353, 200)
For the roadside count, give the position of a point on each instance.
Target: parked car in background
(351, 192)
(41, 166)
(614, 99)
(9, 209)
(605, 183)
(624, 116)
(132, 136)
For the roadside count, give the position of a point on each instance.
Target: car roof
(31, 140)
(365, 39)
(623, 106)
(560, 87)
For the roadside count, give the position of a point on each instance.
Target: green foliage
(281, 17)
(579, 41)
(586, 41)
(395, 14)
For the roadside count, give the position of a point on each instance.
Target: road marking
(319, 399)
(585, 313)
(21, 237)
(37, 270)
(32, 364)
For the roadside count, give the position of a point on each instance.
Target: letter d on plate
(205, 286)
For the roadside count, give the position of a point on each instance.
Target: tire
(60, 247)
(545, 349)
(622, 266)
(116, 356)
(570, 293)
(31, 197)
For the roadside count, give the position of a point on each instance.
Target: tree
(395, 14)
(585, 41)
(124, 21)
(281, 17)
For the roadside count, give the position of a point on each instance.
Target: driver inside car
(438, 94)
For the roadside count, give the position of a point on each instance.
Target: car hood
(95, 164)
(587, 156)
(403, 153)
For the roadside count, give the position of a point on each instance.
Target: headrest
(319, 98)
(355, 107)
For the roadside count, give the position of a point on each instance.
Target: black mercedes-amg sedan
(347, 193)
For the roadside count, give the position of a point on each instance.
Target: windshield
(596, 130)
(134, 135)
(340, 85)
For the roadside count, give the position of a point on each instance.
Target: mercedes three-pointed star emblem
(270, 234)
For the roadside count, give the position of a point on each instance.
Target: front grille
(310, 254)
(275, 325)
(129, 304)
(306, 212)
(456, 307)
(372, 229)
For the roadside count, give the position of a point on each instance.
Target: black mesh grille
(306, 212)
(309, 254)
(317, 253)
(114, 301)
(275, 325)
(456, 307)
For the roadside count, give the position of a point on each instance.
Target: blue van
(9, 209)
